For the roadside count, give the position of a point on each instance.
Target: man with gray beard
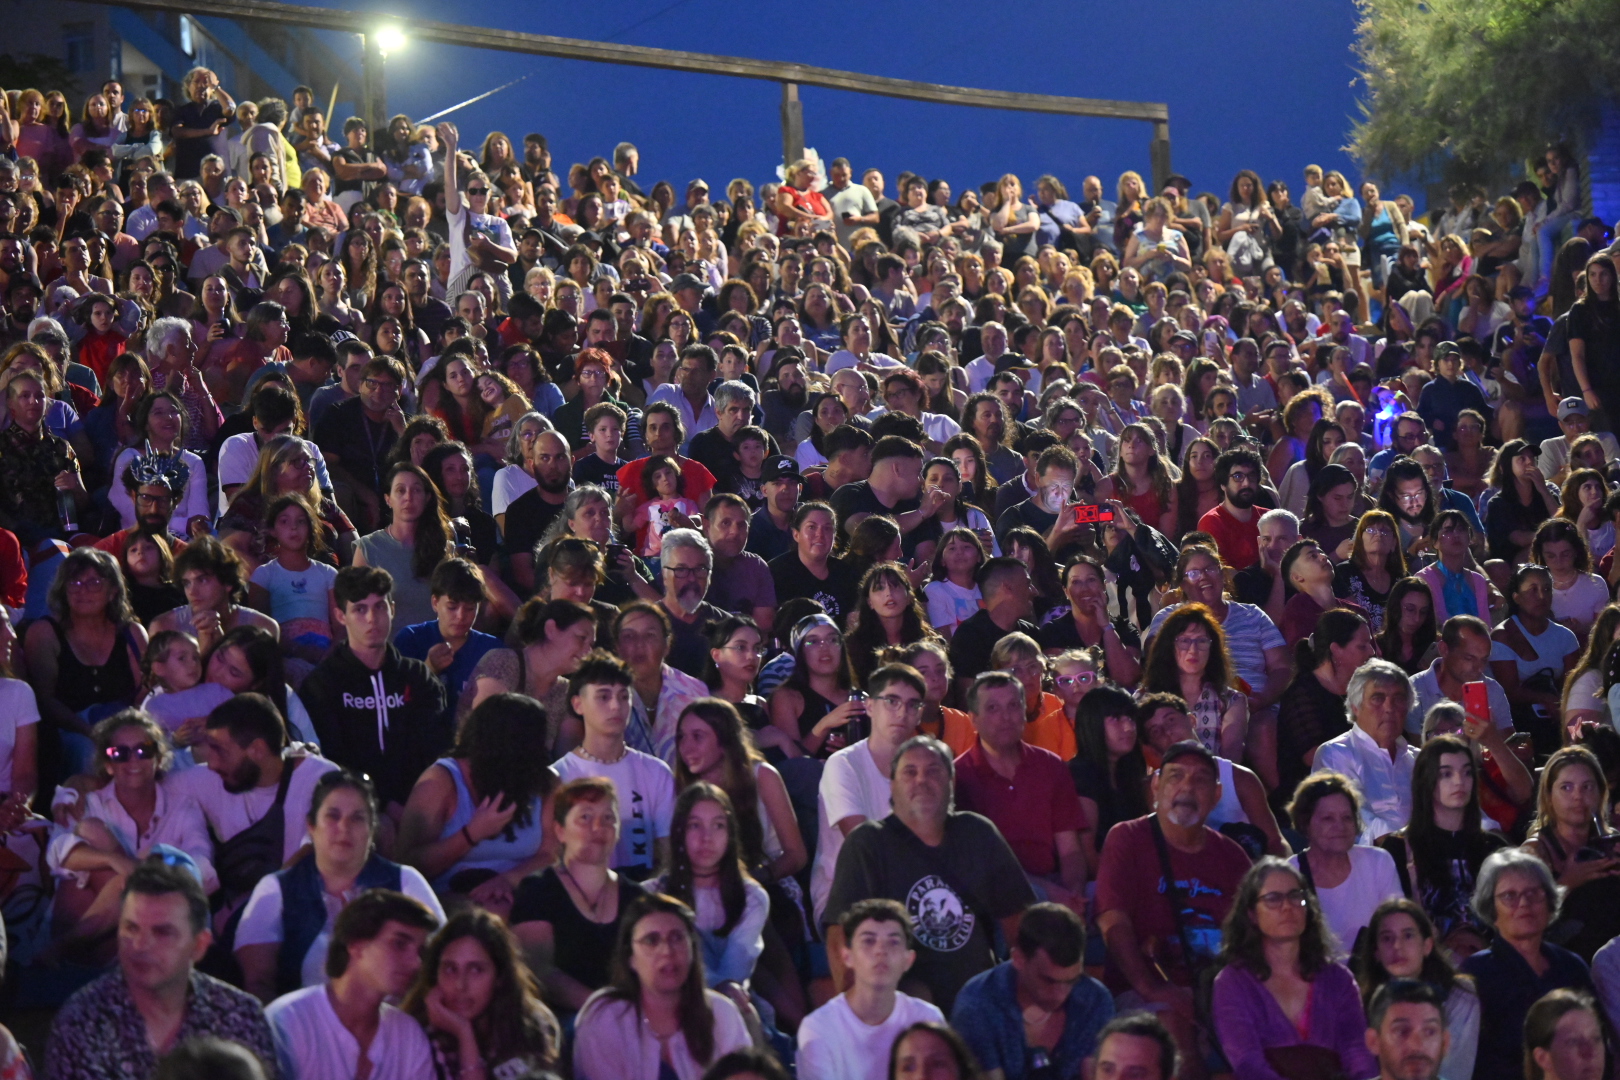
(1164, 886)
(686, 562)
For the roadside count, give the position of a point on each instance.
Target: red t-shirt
(1237, 541)
(1129, 880)
(697, 481)
(1030, 809)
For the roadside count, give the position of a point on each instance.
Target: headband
(802, 628)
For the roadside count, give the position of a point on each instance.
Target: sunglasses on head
(120, 754)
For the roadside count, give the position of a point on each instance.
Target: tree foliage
(1462, 89)
(39, 72)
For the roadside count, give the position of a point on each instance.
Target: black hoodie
(389, 724)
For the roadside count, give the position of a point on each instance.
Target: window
(79, 43)
(187, 45)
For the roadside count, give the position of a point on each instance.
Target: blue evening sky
(1261, 84)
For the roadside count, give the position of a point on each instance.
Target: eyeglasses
(894, 701)
(676, 940)
(120, 754)
(1411, 498)
(1084, 678)
(1512, 898)
(686, 571)
(1201, 573)
(1276, 901)
(478, 191)
(1197, 644)
(87, 584)
(824, 643)
(746, 650)
(384, 385)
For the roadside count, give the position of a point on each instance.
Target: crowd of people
(463, 621)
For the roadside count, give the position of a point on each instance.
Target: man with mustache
(1164, 885)
(1234, 522)
(788, 398)
(1406, 1030)
(686, 562)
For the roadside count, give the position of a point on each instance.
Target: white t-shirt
(229, 814)
(949, 604)
(843, 358)
(18, 709)
(313, 1044)
(646, 788)
(297, 594)
(835, 1044)
(851, 786)
(856, 199)
(1587, 694)
(1348, 907)
(510, 482)
(261, 918)
(1582, 600)
(239, 454)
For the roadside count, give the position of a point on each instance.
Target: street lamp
(375, 48)
(390, 39)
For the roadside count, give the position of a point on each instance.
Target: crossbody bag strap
(1173, 891)
(1305, 869)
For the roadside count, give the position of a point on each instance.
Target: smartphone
(1477, 701)
(1086, 514)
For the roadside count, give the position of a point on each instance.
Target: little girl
(665, 507)
(953, 595)
(506, 402)
(177, 698)
(294, 588)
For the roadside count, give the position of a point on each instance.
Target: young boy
(448, 644)
(599, 694)
(747, 475)
(849, 1038)
(376, 711)
(605, 422)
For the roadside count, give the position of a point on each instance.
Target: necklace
(624, 749)
(1036, 1017)
(595, 904)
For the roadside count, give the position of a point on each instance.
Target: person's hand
(439, 1014)
(1577, 874)
(207, 623)
(626, 561)
(1591, 399)
(496, 894)
(70, 480)
(1099, 608)
(490, 817)
(840, 716)
(216, 332)
(1342, 552)
(440, 657)
(918, 572)
(13, 811)
(934, 500)
(448, 136)
(396, 418)
(190, 732)
(197, 526)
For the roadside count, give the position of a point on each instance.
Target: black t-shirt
(1252, 585)
(1308, 715)
(189, 151)
(749, 489)
(689, 648)
(1601, 335)
(859, 498)
(481, 534)
(975, 639)
(836, 593)
(953, 892)
(527, 518)
(350, 156)
(765, 539)
(584, 948)
(361, 446)
(1062, 633)
(591, 469)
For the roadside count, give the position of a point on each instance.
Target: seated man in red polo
(1024, 790)
(1235, 521)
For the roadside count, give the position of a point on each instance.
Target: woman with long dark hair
(736, 650)
(1109, 770)
(1188, 657)
(1330, 510)
(1196, 491)
(1326, 436)
(1410, 631)
(890, 612)
(1402, 944)
(817, 708)
(655, 1018)
(413, 543)
(480, 1004)
(1142, 480)
(1282, 1004)
(1522, 502)
(1594, 337)
(475, 822)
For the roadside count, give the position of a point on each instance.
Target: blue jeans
(1547, 238)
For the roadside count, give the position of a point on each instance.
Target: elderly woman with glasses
(1518, 897)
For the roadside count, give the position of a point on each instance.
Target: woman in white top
(19, 735)
(1350, 880)
(656, 1018)
(1402, 946)
(160, 418)
(1585, 701)
(953, 593)
(107, 823)
(1584, 495)
(828, 413)
(1578, 594)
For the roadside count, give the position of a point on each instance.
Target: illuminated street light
(390, 39)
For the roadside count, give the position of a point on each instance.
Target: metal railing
(790, 76)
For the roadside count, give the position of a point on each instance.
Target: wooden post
(792, 125)
(374, 72)
(1159, 153)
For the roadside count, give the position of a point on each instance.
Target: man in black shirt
(810, 569)
(952, 869)
(770, 531)
(357, 436)
(715, 448)
(1028, 484)
(1004, 608)
(893, 490)
(1050, 511)
(686, 562)
(530, 514)
(356, 166)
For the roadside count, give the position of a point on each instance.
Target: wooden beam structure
(790, 75)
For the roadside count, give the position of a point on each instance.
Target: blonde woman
(1014, 221)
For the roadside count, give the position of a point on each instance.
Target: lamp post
(375, 48)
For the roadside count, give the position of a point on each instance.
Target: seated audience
(1349, 879)
(1373, 755)
(1401, 945)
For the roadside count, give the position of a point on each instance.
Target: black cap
(780, 467)
(1190, 748)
